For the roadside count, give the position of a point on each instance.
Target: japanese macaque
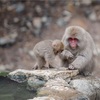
(45, 53)
(81, 45)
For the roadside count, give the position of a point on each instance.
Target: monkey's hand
(71, 67)
(66, 55)
(35, 66)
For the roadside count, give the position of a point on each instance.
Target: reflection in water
(10, 90)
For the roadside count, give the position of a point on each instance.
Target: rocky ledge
(53, 84)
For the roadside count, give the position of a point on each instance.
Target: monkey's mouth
(73, 47)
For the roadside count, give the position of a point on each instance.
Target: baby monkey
(45, 53)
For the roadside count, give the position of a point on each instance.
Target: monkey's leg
(40, 62)
(35, 66)
(47, 65)
(51, 59)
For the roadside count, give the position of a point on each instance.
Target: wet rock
(19, 77)
(35, 83)
(58, 84)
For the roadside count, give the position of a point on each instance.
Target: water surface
(10, 90)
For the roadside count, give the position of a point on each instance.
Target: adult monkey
(79, 42)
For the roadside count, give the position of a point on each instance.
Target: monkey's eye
(73, 39)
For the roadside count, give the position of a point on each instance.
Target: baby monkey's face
(58, 46)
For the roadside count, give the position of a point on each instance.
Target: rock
(80, 97)
(16, 20)
(44, 98)
(38, 9)
(35, 83)
(61, 22)
(46, 21)
(29, 24)
(37, 22)
(55, 87)
(44, 74)
(8, 39)
(10, 7)
(64, 19)
(19, 7)
(19, 77)
(59, 98)
(93, 16)
(88, 86)
(23, 29)
(86, 2)
(60, 90)
(66, 13)
(58, 84)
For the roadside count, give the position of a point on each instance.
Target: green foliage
(4, 74)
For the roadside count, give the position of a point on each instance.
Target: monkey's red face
(73, 42)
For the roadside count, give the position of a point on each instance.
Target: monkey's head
(74, 38)
(57, 46)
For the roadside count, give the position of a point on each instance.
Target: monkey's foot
(71, 67)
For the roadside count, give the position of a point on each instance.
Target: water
(10, 90)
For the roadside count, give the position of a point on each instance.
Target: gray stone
(9, 39)
(35, 83)
(64, 19)
(38, 9)
(19, 7)
(37, 22)
(86, 2)
(45, 74)
(58, 84)
(19, 77)
(93, 16)
(88, 86)
(16, 20)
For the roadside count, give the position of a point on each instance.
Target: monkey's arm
(66, 55)
(81, 61)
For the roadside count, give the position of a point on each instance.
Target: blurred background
(23, 23)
